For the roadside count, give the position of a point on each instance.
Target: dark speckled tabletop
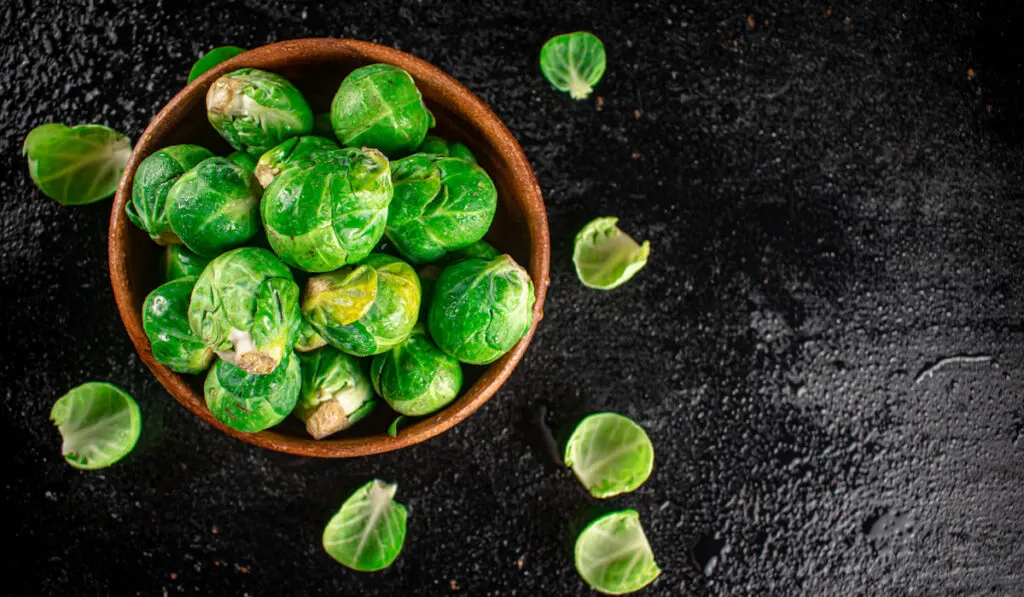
(834, 194)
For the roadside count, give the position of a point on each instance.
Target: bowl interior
(317, 67)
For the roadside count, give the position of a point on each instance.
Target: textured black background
(834, 195)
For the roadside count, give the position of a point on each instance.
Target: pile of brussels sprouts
(311, 274)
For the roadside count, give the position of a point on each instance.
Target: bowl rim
(494, 132)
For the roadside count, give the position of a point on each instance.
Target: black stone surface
(834, 193)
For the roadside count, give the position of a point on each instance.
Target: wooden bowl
(317, 67)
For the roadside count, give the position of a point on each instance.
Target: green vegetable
(605, 257)
(251, 403)
(255, 110)
(329, 210)
(573, 62)
(609, 454)
(308, 338)
(151, 188)
(178, 262)
(244, 160)
(415, 378)
(245, 306)
(212, 59)
(379, 106)
(613, 555)
(287, 153)
(399, 421)
(76, 165)
(336, 392)
(165, 319)
(366, 309)
(215, 207)
(481, 308)
(435, 144)
(99, 422)
(368, 531)
(440, 204)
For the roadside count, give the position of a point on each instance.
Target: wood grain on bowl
(317, 67)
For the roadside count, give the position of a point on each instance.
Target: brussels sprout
(440, 204)
(215, 207)
(287, 153)
(573, 62)
(367, 309)
(435, 144)
(335, 394)
(308, 338)
(329, 210)
(255, 110)
(613, 555)
(379, 106)
(178, 262)
(609, 454)
(154, 178)
(245, 306)
(243, 159)
(606, 257)
(415, 378)
(165, 319)
(251, 403)
(76, 165)
(368, 531)
(212, 59)
(99, 422)
(481, 308)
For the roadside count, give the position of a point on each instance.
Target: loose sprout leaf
(399, 421)
(100, 424)
(212, 59)
(609, 454)
(613, 555)
(76, 165)
(368, 532)
(606, 257)
(573, 62)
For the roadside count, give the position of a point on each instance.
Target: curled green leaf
(610, 454)
(76, 165)
(368, 531)
(99, 422)
(613, 555)
(606, 257)
(212, 59)
(573, 62)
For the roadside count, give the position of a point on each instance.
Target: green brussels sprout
(440, 204)
(379, 106)
(287, 153)
(366, 309)
(251, 403)
(336, 393)
(308, 339)
(215, 207)
(245, 306)
(255, 110)
(435, 144)
(481, 308)
(165, 319)
(329, 210)
(244, 160)
(178, 262)
(154, 178)
(415, 378)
